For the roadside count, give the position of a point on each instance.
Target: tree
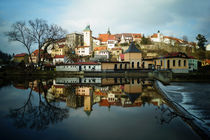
(145, 41)
(19, 33)
(36, 32)
(71, 56)
(201, 41)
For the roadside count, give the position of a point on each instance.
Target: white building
(111, 42)
(83, 50)
(59, 59)
(157, 37)
(81, 66)
(87, 33)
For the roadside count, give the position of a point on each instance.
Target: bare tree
(19, 33)
(36, 32)
(44, 35)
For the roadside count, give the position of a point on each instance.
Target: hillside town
(110, 52)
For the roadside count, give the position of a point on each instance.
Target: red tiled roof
(111, 37)
(83, 47)
(59, 86)
(207, 61)
(61, 40)
(59, 56)
(173, 38)
(20, 55)
(36, 52)
(154, 36)
(137, 36)
(86, 63)
(176, 54)
(104, 102)
(100, 48)
(116, 48)
(99, 93)
(103, 37)
(61, 46)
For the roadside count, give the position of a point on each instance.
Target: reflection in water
(38, 115)
(84, 92)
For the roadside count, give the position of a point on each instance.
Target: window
(138, 66)
(174, 63)
(120, 66)
(132, 64)
(184, 62)
(179, 63)
(161, 62)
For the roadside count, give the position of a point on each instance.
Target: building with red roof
(21, 57)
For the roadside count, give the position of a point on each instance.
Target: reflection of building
(83, 90)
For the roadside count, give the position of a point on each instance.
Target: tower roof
(87, 28)
(132, 49)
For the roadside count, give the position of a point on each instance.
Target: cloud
(177, 16)
(171, 17)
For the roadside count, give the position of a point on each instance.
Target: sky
(172, 17)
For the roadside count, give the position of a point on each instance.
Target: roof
(154, 36)
(59, 56)
(59, 86)
(116, 48)
(61, 40)
(61, 46)
(137, 36)
(132, 49)
(87, 28)
(36, 52)
(21, 55)
(103, 37)
(176, 54)
(100, 48)
(82, 47)
(80, 63)
(111, 37)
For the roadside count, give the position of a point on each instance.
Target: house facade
(74, 40)
(23, 57)
(83, 50)
(59, 59)
(134, 56)
(176, 62)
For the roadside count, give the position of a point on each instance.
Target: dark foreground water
(194, 97)
(87, 108)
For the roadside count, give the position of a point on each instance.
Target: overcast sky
(172, 17)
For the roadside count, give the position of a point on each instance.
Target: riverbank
(192, 120)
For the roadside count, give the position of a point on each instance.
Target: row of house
(132, 59)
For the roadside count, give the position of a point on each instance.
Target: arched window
(174, 63)
(132, 64)
(184, 62)
(115, 66)
(168, 64)
(120, 66)
(179, 63)
(125, 66)
(138, 65)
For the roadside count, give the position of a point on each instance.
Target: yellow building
(59, 50)
(134, 56)
(177, 62)
(23, 57)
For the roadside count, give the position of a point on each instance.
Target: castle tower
(108, 32)
(87, 36)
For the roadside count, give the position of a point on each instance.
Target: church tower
(87, 36)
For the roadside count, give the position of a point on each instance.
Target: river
(87, 108)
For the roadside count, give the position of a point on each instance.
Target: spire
(87, 28)
(132, 49)
(108, 32)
